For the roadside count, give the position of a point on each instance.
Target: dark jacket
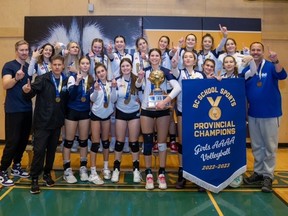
(48, 113)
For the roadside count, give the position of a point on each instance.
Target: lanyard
(127, 95)
(163, 57)
(121, 56)
(46, 65)
(259, 70)
(188, 76)
(57, 87)
(104, 92)
(84, 83)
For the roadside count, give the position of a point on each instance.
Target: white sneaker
(236, 182)
(136, 176)
(126, 148)
(106, 173)
(112, 145)
(69, 177)
(115, 175)
(83, 173)
(96, 179)
(162, 182)
(149, 182)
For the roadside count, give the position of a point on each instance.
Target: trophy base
(154, 99)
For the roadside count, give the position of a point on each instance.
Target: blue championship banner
(214, 131)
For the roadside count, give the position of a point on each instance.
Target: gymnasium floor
(127, 198)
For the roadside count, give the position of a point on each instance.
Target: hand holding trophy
(157, 95)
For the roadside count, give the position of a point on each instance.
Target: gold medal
(105, 105)
(57, 99)
(83, 99)
(259, 83)
(215, 113)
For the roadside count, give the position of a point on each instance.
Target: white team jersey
(183, 75)
(133, 104)
(225, 76)
(166, 60)
(41, 68)
(138, 61)
(99, 59)
(210, 55)
(115, 64)
(97, 97)
(180, 54)
(238, 57)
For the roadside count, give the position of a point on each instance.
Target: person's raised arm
(9, 82)
(224, 32)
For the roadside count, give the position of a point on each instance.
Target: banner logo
(214, 112)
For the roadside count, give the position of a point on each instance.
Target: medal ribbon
(57, 87)
(188, 76)
(104, 92)
(214, 103)
(163, 57)
(127, 95)
(84, 83)
(120, 56)
(45, 65)
(259, 70)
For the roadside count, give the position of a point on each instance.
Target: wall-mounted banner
(214, 131)
(82, 29)
(39, 30)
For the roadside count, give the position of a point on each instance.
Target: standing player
(101, 112)
(161, 115)
(18, 114)
(78, 109)
(127, 117)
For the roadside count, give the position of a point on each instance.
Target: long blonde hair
(69, 58)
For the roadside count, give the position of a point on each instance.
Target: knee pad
(179, 148)
(105, 144)
(95, 147)
(119, 146)
(148, 144)
(68, 143)
(83, 143)
(162, 147)
(147, 149)
(134, 146)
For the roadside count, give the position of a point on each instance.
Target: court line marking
(7, 192)
(215, 204)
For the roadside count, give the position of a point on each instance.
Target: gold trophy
(156, 77)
